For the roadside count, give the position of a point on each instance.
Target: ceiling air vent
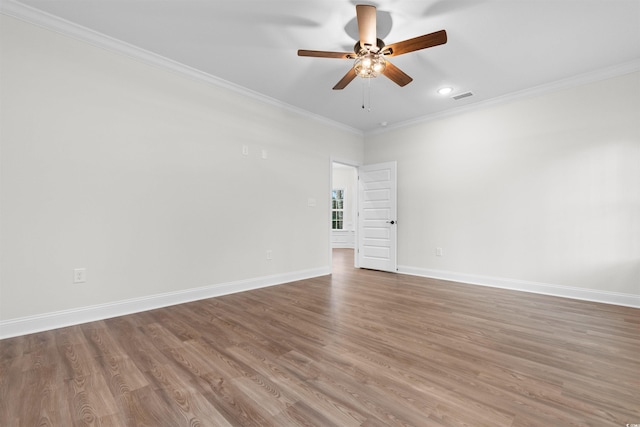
(462, 95)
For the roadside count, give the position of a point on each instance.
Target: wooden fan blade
(367, 25)
(397, 75)
(324, 54)
(417, 43)
(351, 74)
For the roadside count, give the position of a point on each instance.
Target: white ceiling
(495, 48)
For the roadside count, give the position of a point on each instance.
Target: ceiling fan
(370, 52)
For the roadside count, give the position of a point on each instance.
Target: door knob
(391, 222)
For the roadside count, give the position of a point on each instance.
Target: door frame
(355, 165)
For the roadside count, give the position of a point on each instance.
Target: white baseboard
(43, 322)
(615, 298)
(59, 319)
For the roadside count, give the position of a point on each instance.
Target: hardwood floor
(358, 348)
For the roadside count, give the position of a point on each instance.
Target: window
(337, 209)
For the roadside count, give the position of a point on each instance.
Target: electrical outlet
(269, 255)
(79, 275)
(439, 252)
(245, 150)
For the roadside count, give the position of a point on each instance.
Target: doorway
(344, 200)
(364, 214)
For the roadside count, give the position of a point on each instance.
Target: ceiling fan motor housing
(357, 48)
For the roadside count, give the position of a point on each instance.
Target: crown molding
(51, 22)
(54, 23)
(579, 80)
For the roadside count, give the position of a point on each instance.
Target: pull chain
(368, 90)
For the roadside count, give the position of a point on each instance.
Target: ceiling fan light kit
(370, 52)
(370, 61)
(369, 65)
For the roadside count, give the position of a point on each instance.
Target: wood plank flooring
(359, 348)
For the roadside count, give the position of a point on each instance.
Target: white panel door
(377, 217)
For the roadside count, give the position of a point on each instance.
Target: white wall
(137, 174)
(542, 190)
